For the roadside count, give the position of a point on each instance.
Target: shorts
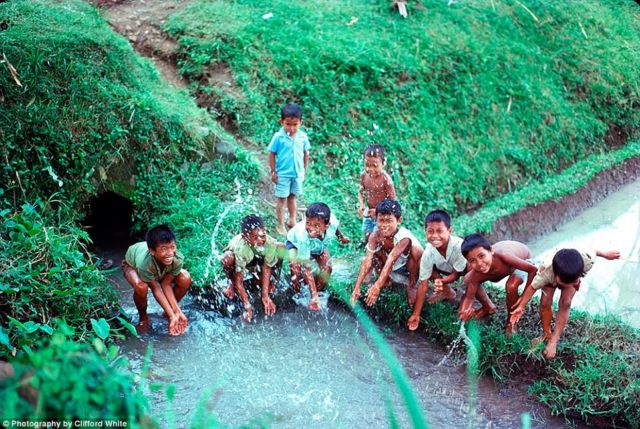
(288, 186)
(400, 276)
(369, 225)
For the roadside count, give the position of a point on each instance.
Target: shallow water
(614, 223)
(309, 369)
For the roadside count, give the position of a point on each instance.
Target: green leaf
(4, 339)
(101, 327)
(46, 328)
(129, 326)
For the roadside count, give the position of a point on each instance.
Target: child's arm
(365, 267)
(163, 293)
(562, 317)
(341, 237)
(306, 161)
(472, 282)
(517, 311)
(519, 264)
(608, 254)
(269, 306)
(244, 296)
(391, 190)
(361, 197)
(272, 167)
(374, 291)
(414, 320)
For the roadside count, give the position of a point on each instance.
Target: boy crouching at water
(156, 263)
(309, 240)
(393, 248)
(442, 262)
(493, 263)
(252, 251)
(375, 186)
(565, 272)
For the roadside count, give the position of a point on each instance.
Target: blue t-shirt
(289, 153)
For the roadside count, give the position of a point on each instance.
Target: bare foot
(484, 312)
(446, 294)
(541, 339)
(510, 329)
(290, 225)
(229, 292)
(143, 325)
(281, 230)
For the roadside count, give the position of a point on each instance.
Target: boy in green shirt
(156, 263)
(251, 251)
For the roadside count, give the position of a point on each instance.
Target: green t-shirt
(148, 269)
(244, 253)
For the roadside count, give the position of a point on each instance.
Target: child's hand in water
(314, 305)
(372, 294)
(269, 306)
(247, 315)
(413, 322)
(354, 296)
(465, 313)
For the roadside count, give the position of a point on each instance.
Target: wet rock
(226, 148)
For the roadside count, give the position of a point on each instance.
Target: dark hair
(291, 110)
(318, 210)
(375, 150)
(389, 206)
(438, 216)
(472, 241)
(568, 265)
(251, 222)
(160, 234)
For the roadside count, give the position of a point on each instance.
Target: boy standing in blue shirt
(288, 158)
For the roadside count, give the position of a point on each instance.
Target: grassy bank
(80, 114)
(472, 101)
(451, 97)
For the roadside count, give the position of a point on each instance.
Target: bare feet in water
(143, 325)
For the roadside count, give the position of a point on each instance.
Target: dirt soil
(140, 21)
(540, 219)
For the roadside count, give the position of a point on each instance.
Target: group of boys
(393, 254)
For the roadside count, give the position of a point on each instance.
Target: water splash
(462, 335)
(215, 254)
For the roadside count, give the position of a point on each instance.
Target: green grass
(472, 101)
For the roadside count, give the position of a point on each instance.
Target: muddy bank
(540, 219)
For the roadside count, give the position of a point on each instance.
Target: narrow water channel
(614, 223)
(313, 370)
(319, 370)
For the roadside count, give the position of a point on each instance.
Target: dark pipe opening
(109, 221)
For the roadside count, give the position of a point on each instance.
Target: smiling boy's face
(373, 165)
(315, 227)
(480, 259)
(438, 234)
(256, 237)
(291, 125)
(388, 224)
(164, 252)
